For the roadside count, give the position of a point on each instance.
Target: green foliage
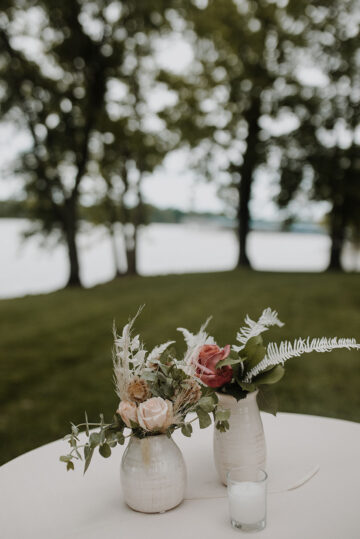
(108, 436)
(267, 400)
(204, 418)
(186, 429)
(221, 418)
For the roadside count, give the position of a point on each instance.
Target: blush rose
(209, 357)
(128, 412)
(155, 414)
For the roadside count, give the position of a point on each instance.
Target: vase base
(154, 511)
(256, 527)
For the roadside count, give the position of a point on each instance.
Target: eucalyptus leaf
(94, 439)
(207, 404)
(186, 429)
(88, 456)
(86, 425)
(105, 451)
(222, 414)
(204, 418)
(120, 438)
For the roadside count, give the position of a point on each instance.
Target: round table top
(39, 499)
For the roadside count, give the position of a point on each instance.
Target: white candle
(247, 502)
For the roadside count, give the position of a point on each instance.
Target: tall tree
(61, 90)
(244, 54)
(322, 156)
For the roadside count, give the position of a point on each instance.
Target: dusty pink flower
(155, 414)
(209, 357)
(128, 412)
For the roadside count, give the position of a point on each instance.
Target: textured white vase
(153, 474)
(244, 443)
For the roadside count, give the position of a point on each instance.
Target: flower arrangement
(250, 365)
(157, 393)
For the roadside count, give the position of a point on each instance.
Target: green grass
(55, 349)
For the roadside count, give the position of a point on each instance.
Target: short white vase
(244, 443)
(153, 474)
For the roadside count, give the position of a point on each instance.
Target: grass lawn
(55, 349)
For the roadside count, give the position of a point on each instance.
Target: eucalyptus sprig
(106, 438)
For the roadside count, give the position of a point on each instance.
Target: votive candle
(247, 498)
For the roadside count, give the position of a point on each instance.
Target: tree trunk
(246, 177)
(337, 235)
(70, 229)
(131, 253)
(118, 272)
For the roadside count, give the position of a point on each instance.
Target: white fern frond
(194, 344)
(128, 355)
(188, 336)
(253, 329)
(278, 354)
(157, 351)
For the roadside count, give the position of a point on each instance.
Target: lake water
(29, 268)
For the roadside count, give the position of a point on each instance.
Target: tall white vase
(153, 474)
(244, 443)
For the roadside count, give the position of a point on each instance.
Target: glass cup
(246, 488)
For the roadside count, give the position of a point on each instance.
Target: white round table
(40, 500)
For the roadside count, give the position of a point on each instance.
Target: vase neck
(229, 401)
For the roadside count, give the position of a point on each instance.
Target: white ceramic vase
(244, 443)
(153, 474)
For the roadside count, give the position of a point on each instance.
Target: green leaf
(253, 342)
(254, 354)
(270, 377)
(228, 361)
(249, 387)
(86, 425)
(105, 451)
(204, 418)
(120, 438)
(72, 442)
(94, 439)
(207, 404)
(88, 453)
(70, 466)
(222, 414)
(222, 426)
(150, 376)
(267, 400)
(186, 429)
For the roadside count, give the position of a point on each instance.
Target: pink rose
(128, 412)
(209, 357)
(155, 414)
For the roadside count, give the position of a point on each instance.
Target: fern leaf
(252, 329)
(278, 354)
(157, 351)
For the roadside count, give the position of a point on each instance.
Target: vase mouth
(229, 398)
(151, 437)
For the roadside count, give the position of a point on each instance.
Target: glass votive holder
(247, 498)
